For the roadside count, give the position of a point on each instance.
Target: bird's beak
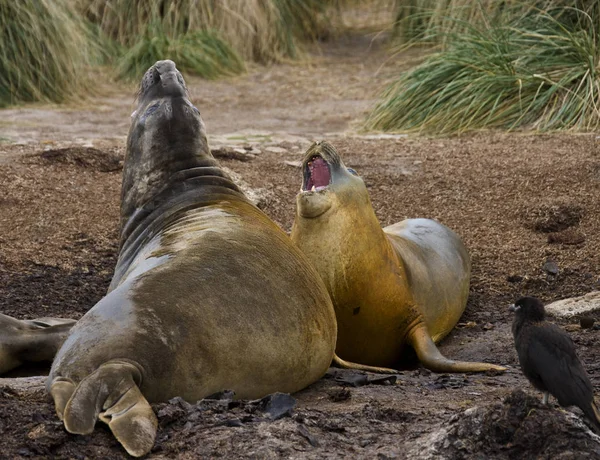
(512, 307)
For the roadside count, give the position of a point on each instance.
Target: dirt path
(327, 93)
(519, 201)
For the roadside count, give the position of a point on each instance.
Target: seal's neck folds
(167, 149)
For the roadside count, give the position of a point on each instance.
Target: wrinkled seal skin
(208, 293)
(406, 284)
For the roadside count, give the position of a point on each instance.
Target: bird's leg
(545, 397)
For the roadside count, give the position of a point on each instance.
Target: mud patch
(569, 236)
(37, 290)
(554, 218)
(86, 157)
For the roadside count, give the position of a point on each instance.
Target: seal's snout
(163, 79)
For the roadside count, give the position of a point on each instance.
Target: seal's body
(406, 284)
(208, 293)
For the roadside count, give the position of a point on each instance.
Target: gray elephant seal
(406, 284)
(208, 293)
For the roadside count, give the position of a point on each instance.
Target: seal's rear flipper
(111, 394)
(431, 358)
(361, 367)
(30, 341)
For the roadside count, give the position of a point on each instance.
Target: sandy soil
(519, 201)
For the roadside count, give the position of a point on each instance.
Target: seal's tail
(111, 394)
(431, 358)
(361, 367)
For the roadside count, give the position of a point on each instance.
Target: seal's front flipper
(361, 367)
(431, 358)
(111, 394)
(30, 341)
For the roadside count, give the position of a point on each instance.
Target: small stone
(295, 164)
(488, 326)
(514, 278)
(303, 431)
(551, 268)
(342, 394)
(586, 322)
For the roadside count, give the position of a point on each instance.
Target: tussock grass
(537, 72)
(435, 21)
(201, 53)
(44, 51)
(259, 30)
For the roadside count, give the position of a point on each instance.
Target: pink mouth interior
(319, 173)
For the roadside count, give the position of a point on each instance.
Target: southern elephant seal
(208, 293)
(406, 284)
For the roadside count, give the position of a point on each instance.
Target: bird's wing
(552, 352)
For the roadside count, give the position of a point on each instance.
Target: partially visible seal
(208, 293)
(406, 284)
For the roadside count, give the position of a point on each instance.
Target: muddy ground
(526, 205)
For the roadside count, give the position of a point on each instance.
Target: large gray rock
(575, 305)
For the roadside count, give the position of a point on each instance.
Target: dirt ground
(526, 205)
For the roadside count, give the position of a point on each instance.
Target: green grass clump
(538, 72)
(44, 51)
(201, 53)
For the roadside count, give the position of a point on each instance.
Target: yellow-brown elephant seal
(406, 284)
(208, 293)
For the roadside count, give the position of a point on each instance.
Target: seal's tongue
(319, 173)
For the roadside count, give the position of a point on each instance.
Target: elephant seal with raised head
(406, 284)
(208, 293)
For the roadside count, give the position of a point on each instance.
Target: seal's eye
(152, 109)
(149, 111)
(352, 171)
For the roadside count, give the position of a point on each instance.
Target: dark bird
(548, 359)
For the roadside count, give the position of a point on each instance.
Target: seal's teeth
(312, 189)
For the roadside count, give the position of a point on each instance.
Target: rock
(277, 405)
(295, 164)
(586, 322)
(230, 153)
(24, 384)
(575, 305)
(303, 431)
(273, 149)
(519, 427)
(550, 268)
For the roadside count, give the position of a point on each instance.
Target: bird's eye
(352, 171)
